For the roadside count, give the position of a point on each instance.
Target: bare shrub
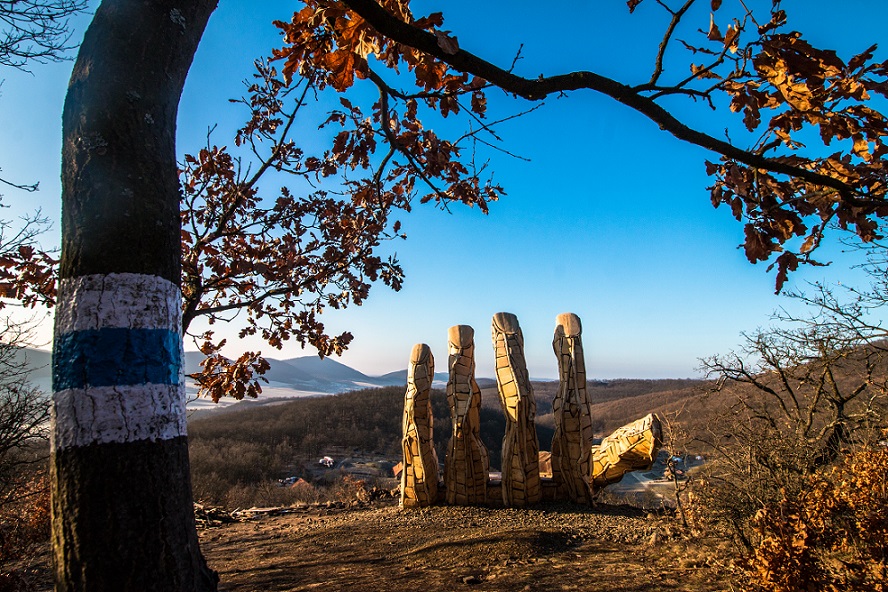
(797, 477)
(349, 489)
(24, 523)
(24, 415)
(809, 393)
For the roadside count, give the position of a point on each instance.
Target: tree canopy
(386, 155)
(817, 160)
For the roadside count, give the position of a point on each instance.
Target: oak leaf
(861, 59)
(810, 243)
(479, 103)
(342, 64)
(435, 19)
(732, 36)
(861, 147)
(714, 33)
(430, 73)
(448, 44)
(758, 246)
(785, 263)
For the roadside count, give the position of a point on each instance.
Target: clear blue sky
(610, 219)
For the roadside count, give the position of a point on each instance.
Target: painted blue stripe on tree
(116, 357)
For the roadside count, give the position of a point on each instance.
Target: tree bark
(122, 507)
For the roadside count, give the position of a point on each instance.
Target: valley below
(300, 493)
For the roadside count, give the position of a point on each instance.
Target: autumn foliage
(384, 156)
(329, 43)
(788, 92)
(281, 260)
(833, 535)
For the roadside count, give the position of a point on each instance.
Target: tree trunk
(122, 507)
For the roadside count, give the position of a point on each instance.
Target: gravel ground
(368, 547)
(551, 547)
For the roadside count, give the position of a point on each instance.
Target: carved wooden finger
(467, 465)
(520, 457)
(419, 478)
(571, 407)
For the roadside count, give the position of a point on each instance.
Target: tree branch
(676, 17)
(540, 88)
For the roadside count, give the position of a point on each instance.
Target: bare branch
(661, 52)
(35, 30)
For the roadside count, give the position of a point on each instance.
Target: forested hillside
(246, 445)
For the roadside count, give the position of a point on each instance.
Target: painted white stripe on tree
(117, 414)
(118, 300)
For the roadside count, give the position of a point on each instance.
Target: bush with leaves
(24, 523)
(830, 536)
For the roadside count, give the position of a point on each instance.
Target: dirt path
(444, 548)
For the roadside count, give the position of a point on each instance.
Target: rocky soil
(368, 547)
(382, 548)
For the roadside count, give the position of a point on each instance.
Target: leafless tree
(24, 413)
(35, 30)
(796, 396)
(24, 410)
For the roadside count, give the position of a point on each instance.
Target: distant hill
(311, 374)
(39, 362)
(306, 374)
(326, 369)
(326, 375)
(399, 377)
(613, 400)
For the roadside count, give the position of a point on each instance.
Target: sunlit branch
(393, 141)
(30, 188)
(539, 88)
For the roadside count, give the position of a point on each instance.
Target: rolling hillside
(306, 374)
(39, 362)
(309, 374)
(272, 441)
